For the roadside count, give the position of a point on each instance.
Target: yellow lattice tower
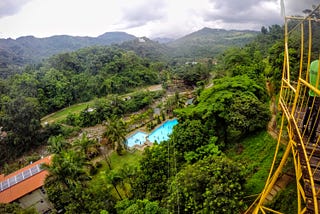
(298, 123)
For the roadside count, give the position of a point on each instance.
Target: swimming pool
(163, 131)
(137, 138)
(159, 134)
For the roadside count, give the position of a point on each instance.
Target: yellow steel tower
(299, 103)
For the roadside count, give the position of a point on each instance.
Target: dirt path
(93, 132)
(272, 125)
(155, 87)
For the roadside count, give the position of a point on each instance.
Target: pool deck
(142, 146)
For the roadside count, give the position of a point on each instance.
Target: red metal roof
(25, 186)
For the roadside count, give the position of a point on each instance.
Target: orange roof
(25, 186)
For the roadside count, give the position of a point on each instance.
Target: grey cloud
(141, 14)
(250, 12)
(295, 7)
(233, 4)
(10, 7)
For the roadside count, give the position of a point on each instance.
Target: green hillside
(147, 48)
(14, 54)
(209, 42)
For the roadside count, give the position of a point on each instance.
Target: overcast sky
(151, 18)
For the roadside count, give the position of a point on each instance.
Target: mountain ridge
(15, 53)
(206, 42)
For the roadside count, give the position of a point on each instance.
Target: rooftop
(23, 181)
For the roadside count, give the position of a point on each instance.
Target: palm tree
(66, 178)
(89, 147)
(179, 101)
(57, 144)
(105, 152)
(128, 174)
(115, 134)
(115, 178)
(66, 170)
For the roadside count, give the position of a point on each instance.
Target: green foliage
(151, 182)
(214, 184)
(242, 61)
(139, 207)
(189, 172)
(255, 153)
(286, 200)
(80, 76)
(54, 90)
(20, 119)
(102, 109)
(30, 50)
(226, 109)
(147, 48)
(192, 73)
(57, 144)
(89, 148)
(203, 151)
(208, 42)
(115, 178)
(116, 129)
(88, 200)
(14, 208)
(69, 186)
(188, 136)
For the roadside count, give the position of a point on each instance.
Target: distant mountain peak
(208, 42)
(163, 40)
(115, 33)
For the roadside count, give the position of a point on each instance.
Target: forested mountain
(14, 54)
(206, 42)
(29, 49)
(163, 40)
(147, 48)
(209, 42)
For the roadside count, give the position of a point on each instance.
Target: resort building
(25, 187)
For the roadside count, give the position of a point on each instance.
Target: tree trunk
(115, 187)
(106, 157)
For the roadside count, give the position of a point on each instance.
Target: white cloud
(151, 18)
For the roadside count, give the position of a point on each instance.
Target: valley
(82, 104)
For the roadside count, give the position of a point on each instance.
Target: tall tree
(20, 119)
(115, 134)
(89, 147)
(115, 179)
(57, 144)
(212, 185)
(66, 177)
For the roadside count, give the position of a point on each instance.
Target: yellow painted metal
(317, 91)
(270, 210)
(293, 101)
(269, 185)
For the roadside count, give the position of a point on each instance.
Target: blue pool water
(163, 131)
(160, 134)
(137, 138)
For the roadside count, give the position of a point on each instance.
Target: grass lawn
(62, 114)
(77, 108)
(117, 162)
(129, 158)
(256, 154)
